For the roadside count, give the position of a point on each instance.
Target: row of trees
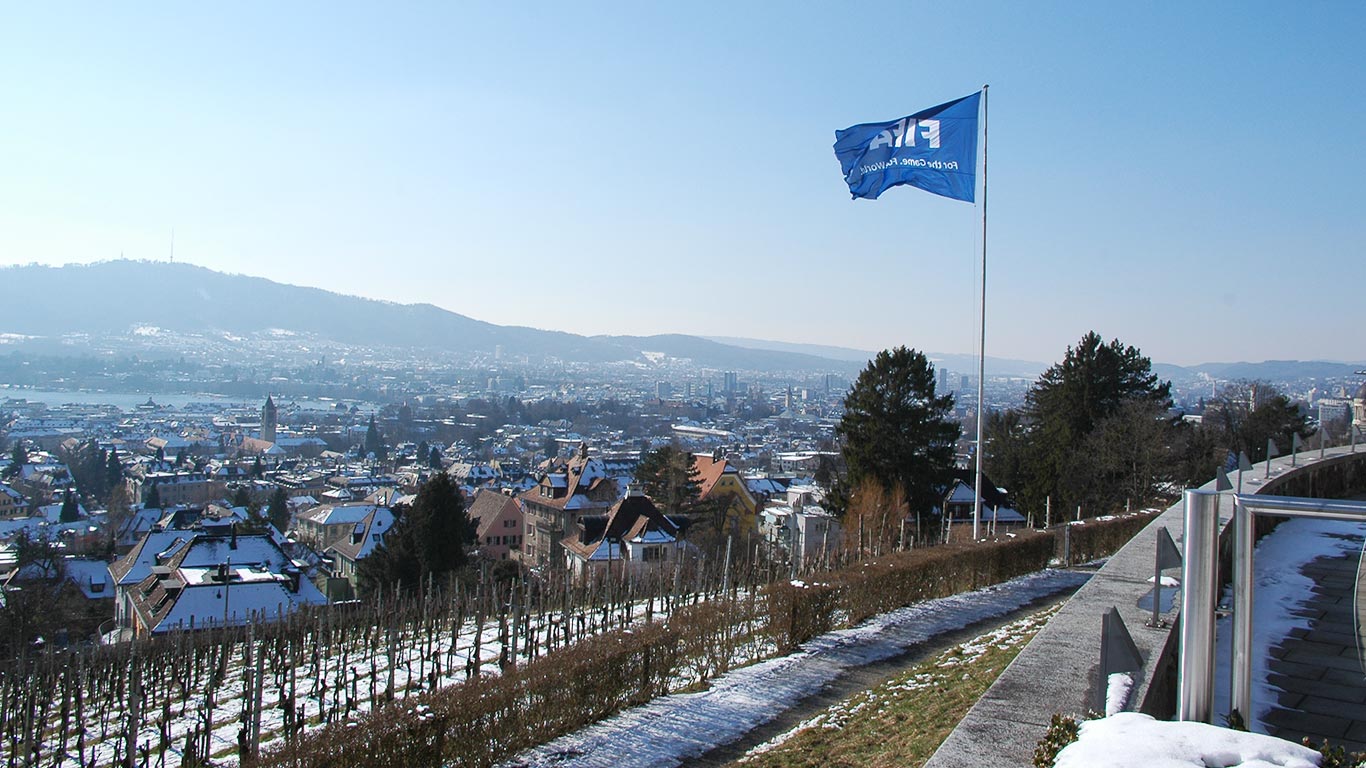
(1097, 432)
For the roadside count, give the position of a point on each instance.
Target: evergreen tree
(1006, 448)
(278, 509)
(434, 457)
(668, 476)
(241, 497)
(113, 470)
(374, 442)
(429, 539)
(392, 564)
(257, 470)
(151, 498)
(1093, 382)
(118, 512)
(70, 510)
(443, 526)
(897, 432)
(18, 457)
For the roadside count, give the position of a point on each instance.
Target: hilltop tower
(269, 419)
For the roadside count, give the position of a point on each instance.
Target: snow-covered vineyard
(215, 694)
(465, 680)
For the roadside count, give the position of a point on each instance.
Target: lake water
(128, 401)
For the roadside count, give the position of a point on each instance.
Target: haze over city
(1180, 178)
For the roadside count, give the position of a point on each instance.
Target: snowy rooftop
(206, 604)
(653, 537)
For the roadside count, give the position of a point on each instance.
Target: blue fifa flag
(934, 149)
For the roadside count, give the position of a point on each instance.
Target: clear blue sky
(1185, 178)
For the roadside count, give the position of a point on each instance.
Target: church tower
(268, 420)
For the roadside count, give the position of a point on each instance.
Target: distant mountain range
(1269, 370)
(116, 298)
(996, 366)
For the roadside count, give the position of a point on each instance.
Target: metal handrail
(1199, 576)
(1199, 588)
(1245, 510)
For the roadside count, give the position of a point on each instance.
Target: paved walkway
(1319, 668)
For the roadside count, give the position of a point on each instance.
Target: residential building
(325, 525)
(499, 521)
(997, 508)
(12, 503)
(178, 487)
(800, 530)
(346, 552)
(201, 580)
(563, 494)
(631, 539)
(720, 483)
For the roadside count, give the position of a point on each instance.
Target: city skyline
(1155, 171)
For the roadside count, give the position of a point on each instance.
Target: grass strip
(902, 721)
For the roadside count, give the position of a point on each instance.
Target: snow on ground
(945, 665)
(1134, 740)
(1117, 688)
(1280, 592)
(673, 728)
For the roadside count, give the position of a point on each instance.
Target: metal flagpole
(982, 340)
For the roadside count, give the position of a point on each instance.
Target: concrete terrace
(1318, 667)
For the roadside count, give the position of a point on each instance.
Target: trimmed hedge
(1100, 537)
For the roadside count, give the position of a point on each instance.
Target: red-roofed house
(720, 482)
(499, 521)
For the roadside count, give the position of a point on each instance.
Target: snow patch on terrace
(674, 728)
(1280, 593)
(1134, 740)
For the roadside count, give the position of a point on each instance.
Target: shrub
(1063, 730)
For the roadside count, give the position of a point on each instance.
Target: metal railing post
(1199, 572)
(1244, 539)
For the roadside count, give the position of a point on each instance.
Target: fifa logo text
(903, 134)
